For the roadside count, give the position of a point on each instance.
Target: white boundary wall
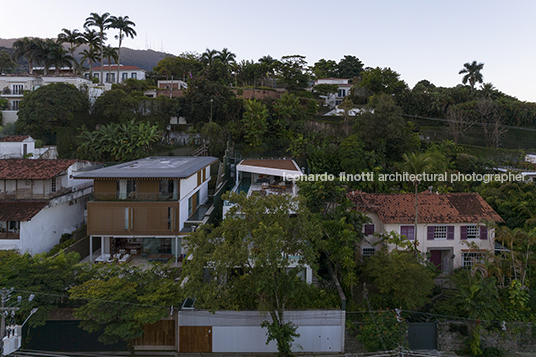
(240, 331)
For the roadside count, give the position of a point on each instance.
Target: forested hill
(145, 59)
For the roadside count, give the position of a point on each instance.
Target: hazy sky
(424, 39)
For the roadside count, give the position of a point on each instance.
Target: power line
(462, 122)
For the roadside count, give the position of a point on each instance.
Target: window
(124, 76)
(408, 231)
(171, 218)
(169, 189)
(53, 184)
(126, 189)
(190, 206)
(15, 105)
(473, 232)
(440, 232)
(368, 229)
(470, 258)
(134, 75)
(13, 226)
(342, 93)
(96, 75)
(17, 89)
(127, 218)
(367, 252)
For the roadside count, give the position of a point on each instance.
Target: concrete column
(91, 249)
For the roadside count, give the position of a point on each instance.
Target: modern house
(265, 176)
(23, 146)
(451, 227)
(334, 99)
(142, 208)
(12, 89)
(110, 71)
(40, 201)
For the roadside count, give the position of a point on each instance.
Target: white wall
(240, 331)
(44, 230)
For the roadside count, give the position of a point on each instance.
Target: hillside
(145, 59)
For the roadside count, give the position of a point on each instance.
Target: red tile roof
(14, 138)
(271, 164)
(113, 67)
(433, 208)
(20, 210)
(27, 169)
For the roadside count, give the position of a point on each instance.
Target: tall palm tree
(59, 57)
(74, 39)
(125, 27)
(415, 164)
(103, 22)
(91, 55)
(110, 53)
(472, 74)
(226, 57)
(27, 48)
(209, 56)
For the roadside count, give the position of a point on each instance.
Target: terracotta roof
(113, 67)
(271, 164)
(433, 208)
(20, 210)
(20, 169)
(14, 138)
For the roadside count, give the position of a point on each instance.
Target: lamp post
(4, 312)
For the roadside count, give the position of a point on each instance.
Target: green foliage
(120, 300)
(291, 73)
(254, 123)
(47, 277)
(283, 334)
(381, 81)
(401, 278)
(183, 66)
(380, 331)
(50, 107)
(118, 142)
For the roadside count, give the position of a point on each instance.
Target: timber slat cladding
(195, 339)
(161, 333)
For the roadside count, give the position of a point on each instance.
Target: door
(195, 339)
(435, 258)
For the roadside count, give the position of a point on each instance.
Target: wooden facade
(133, 218)
(161, 333)
(195, 339)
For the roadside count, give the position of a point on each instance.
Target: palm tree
(415, 164)
(125, 27)
(103, 22)
(27, 48)
(74, 39)
(209, 56)
(91, 55)
(472, 73)
(110, 53)
(59, 57)
(226, 57)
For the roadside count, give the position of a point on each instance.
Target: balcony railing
(134, 196)
(29, 194)
(9, 235)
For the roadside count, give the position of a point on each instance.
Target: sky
(419, 39)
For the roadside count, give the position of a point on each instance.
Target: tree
(209, 56)
(346, 106)
(457, 123)
(325, 68)
(120, 300)
(184, 66)
(50, 107)
(27, 48)
(254, 121)
(472, 74)
(103, 22)
(291, 72)
(90, 38)
(59, 58)
(249, 260)
(416, 164)
(6, 63)
(91, 56)
(401, 278)
(126, 29)
(349, 67)
(382, 80)
(73, 38)
(111, 53)
(226, 57)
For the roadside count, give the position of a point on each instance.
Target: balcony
(30, 194)
(9, 235)
(135, 196)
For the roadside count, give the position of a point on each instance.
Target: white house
(39, 201)
(125, 72)
(334, 99)
(144, 207)
(23, 146)
(12, 89)
(450, 226)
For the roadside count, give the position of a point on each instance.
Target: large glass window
(169, 190)
(127, 189)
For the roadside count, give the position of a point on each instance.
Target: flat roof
(279, 164)
(153, 167)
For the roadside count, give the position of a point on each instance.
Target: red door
(435, 258)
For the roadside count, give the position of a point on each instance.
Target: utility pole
(5, 312)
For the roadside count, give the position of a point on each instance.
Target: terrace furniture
(103, 258)
(124, 259)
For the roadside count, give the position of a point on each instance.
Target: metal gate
(422, 335)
